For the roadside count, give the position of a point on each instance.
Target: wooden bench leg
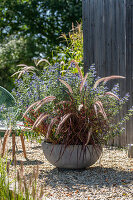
(13, 146)
(7, 134)
(23, 145)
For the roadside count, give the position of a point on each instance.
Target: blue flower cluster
(33, 87)
(2, 108)
(125, 98)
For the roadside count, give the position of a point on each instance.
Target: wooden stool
(7, 134)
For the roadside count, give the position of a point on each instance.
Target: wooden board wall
(129, 64)
(108, 42)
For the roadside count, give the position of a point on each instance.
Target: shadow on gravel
(96, 177)
(37, 147)
(27, 162)
(17, 151)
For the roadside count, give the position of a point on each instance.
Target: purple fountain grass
(81, 110)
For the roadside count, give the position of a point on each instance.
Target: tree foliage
(34, 27)
(42, 20)
(12, 52)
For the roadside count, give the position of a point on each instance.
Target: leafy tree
(12, 52)
(42, 20)
(38, 25)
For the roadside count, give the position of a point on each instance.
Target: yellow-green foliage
(73, 49)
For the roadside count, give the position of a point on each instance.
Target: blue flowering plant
(32, 84)
(79, 109)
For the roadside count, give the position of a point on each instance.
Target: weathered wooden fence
(108, 42)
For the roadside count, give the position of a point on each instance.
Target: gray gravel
(110, 178)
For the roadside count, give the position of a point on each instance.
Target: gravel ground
(110, 178)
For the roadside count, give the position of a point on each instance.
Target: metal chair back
(7, 101)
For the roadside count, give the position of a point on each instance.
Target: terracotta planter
(73, 157)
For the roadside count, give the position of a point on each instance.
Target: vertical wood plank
(129, 65)
(108, 42)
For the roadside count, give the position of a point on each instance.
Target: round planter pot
(73, 157)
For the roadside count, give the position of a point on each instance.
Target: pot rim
(97, 144)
